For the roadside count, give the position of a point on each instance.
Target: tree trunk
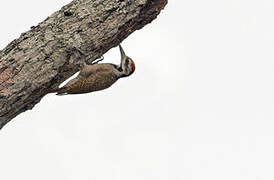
(49, 53)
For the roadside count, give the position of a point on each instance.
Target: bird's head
(127, 66)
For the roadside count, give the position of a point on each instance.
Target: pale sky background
(199, 106)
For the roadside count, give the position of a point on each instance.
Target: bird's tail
(55, 90)
(58, 91)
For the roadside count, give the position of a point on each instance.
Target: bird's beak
(123, 55)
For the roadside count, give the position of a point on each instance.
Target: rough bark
(49, 53)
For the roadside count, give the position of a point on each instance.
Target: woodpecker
(96, 77)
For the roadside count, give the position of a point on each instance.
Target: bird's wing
(70, 85)
(87, 71)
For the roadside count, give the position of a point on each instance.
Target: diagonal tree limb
(52, 51)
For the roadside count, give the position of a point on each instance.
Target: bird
(98, 76)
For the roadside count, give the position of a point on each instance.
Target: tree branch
(55, 49)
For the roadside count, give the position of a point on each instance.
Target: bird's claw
(96, 61)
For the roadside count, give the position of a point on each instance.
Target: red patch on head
(133, 66)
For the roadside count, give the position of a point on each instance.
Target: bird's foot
(95, 61)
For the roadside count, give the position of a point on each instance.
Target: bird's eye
(127, 62)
